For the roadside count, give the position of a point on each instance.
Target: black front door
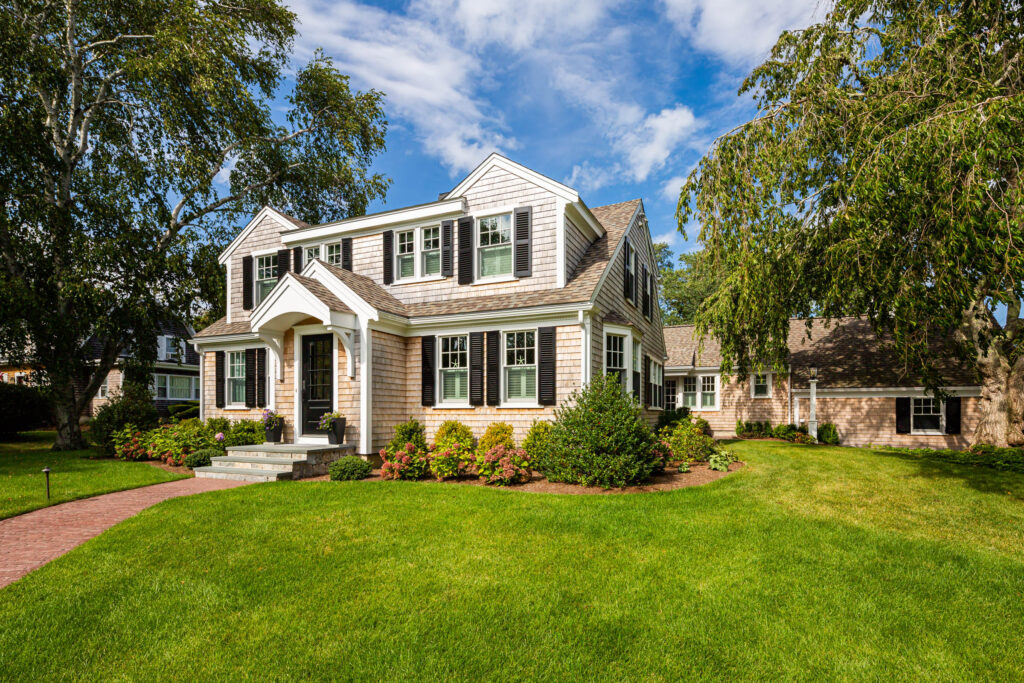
(317, 380)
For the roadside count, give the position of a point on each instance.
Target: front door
(317, 380)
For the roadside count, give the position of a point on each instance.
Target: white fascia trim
(320, 272)
(221, 340)
(581, 215)
(615, 254)
(887, 392)
(171, 365)
(684, 369)
(503, 316)
(350, 227)
(288, 282)
(518, 170)
(249, 227)
(502, 325)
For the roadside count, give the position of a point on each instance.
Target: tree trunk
(66, 412)
(1001, 422)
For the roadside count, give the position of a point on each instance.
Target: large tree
(685, 288)
(881, 177)
(134, 132)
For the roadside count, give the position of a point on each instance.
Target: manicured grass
(73, 475)
(810, 563)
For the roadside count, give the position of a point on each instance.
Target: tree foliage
(685, 288)
(881, 177)
(131, 134)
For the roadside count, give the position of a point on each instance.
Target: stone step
(241, 473)
(237, 461)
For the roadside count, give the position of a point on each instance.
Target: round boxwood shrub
(133, 406)
(453, 434)
(496, 434)
(828, 434)
(22, 408)
(349, 468)
(406, 433)
(202, 458)
(599, 438)
(537, 440)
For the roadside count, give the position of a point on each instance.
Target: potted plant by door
(273, 425)
(334, 424)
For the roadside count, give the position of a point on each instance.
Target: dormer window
(334, 253)
(431, 250)
(406, 255)
(494, 246)
(169, 348)
(313, 253)
(266, 275)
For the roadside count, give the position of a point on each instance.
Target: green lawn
(810, 563)
(74, 474)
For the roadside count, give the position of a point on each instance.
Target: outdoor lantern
(814, 372)
(46, 471)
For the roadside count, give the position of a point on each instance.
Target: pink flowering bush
(451, 462)
(409, 462)
(129, 444)
(503, 465)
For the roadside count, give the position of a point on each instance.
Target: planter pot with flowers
(273, 426)
(334, 425)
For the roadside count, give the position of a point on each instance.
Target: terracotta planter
(336, 432)
(274, 435)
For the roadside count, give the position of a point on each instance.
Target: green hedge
(22, 408)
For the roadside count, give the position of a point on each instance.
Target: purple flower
(219, 436)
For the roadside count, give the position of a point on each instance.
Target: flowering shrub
(453, 433)
(219, 437)
(496, 434)
(409, 462)
(410, 432)
(327, 419)
(687, 441)
(172, 442)
(244, 433)
(271, 419)
(129, 444)
(452, 462)
(802, 438)
(502, 466)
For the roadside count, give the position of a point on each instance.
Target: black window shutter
(389, 257)
(522, 219)
(953, 415)
(283, 262)
(447, 261)
(546, 366)
(250, 378)
(346, 253)
(493, 368)
(428, 346)
(297, 259)
(647, 296)
(625, 268)
(476, 368)
(261, 378)
(636, 384)
(247, 282)
(466, 250)
(647, 381)
(903, 415)
(219, 376)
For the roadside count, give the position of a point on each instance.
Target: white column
(365, 390)
(812, 417)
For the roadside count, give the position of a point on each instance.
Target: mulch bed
(668, 481)
(171, 468)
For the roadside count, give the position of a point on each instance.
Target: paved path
(31, 540)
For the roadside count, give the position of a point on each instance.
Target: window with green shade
(236, 377)
(708, 391)
(406, 255)
(494, 248)
(454, 369)
(431, 249)
(520, 366)
(690, 392)
(266, 276)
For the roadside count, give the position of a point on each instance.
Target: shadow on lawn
(978, 477)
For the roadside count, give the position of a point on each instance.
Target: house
(849, 377)
(175, 377)
(492, 303)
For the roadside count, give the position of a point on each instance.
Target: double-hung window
(670, 394)
(657, 385)
(170, 348)
(266, 275)
(927, 416)
(235, 378)
(689, 392)
(104, 389)
(494, 246)
(709, 392)
(333, 253)
(520, 366)
(615, 356)
(761, 385)
(430, 247)
(454, 369)
(406, 255)
(313, 253)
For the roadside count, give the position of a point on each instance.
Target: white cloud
(649, 146)
(670, 189)
(741, 32)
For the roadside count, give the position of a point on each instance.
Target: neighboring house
(492, 303)
(858, 387)
(15, 374)
(175, 372)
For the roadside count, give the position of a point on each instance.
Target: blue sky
(616, 99)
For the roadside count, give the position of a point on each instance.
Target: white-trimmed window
(235, 378)
(181, 387)
(709, 392)
(927, 416)
(689, 392)
(170, 348)
(494, 246)
(761, 385)
(670, 394)
(454, 369)
(657, 385)
(266, 275)
(333, 253)
(313, 253)
(104, 390)
(405, 255)
(520, 366)
(430, 249)
(615, 356)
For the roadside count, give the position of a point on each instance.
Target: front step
(273, 461)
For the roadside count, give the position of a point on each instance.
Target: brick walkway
(31, 540)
